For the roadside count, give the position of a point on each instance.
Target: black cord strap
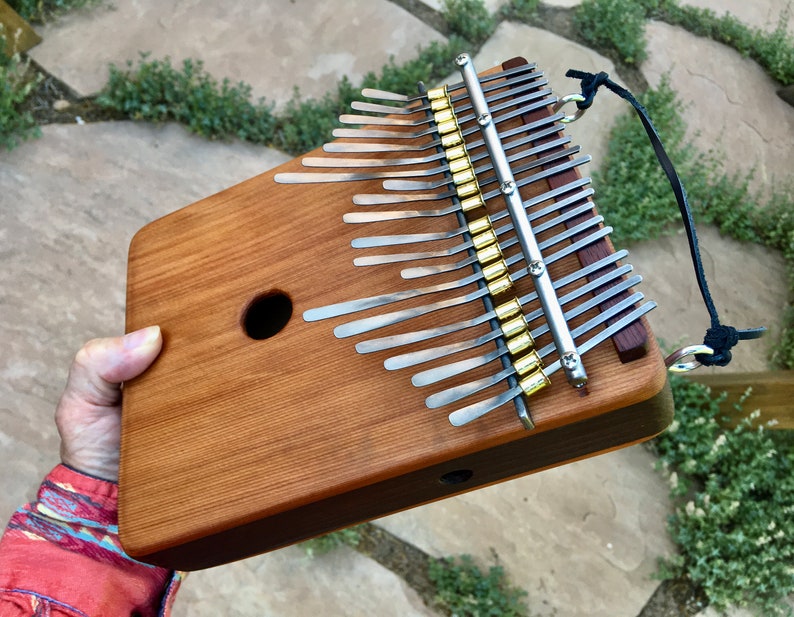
(718, 337)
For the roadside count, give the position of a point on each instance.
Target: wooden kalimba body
(257, 427)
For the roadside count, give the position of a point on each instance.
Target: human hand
(88, 415)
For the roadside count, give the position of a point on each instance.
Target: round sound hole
(267, 315)
(456, 477)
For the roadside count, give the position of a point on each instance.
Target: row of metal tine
(468, 181)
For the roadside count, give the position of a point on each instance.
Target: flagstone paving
(581, 539)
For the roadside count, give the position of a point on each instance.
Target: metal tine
(471, 412)
(420, 271)
(335, 161)
(396, 215)
(378, 133)
(388, 120)
(384, 95)
(322, 177)
(461, 120)
(399, 239)
(367, 324)
(406, 338)
(451, 395)
(415, 185)
(361, 147)
(410, 109)
(425, 355)
(415, 172)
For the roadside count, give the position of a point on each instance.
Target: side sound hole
(458, 476)
(267, 315)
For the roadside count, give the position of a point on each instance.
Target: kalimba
(428, 305)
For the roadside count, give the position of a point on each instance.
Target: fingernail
(139, 338)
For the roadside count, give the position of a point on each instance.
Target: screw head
(536, 268)
(507, 187)
(570, 360)
(484, 119)
(462, 59)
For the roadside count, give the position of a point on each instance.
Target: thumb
(103, 364)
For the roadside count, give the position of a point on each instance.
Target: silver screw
(484, 119)
(462, 59)
(570, 360)
(507, 187)
(536, 268)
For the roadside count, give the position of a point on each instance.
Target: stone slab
(582, 539)
(747, 281)
(273, 45)
(70, 203)
(288, 583)
(731, 104)
(762, 14)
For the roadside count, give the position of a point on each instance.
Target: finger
(103, 364)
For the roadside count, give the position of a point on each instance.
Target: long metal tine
(335, 161)
(383, 134)
(368, 324)
(362, 147)
(446, 397)
(399, 239)
(407, 338)
(413, 185)
(389, 119)
(410, 109)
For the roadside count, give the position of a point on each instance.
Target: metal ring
(569, 98)
(672, 364)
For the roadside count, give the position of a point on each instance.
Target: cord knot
(590, 82)
(720, 338)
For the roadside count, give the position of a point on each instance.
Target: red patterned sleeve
(60, 556)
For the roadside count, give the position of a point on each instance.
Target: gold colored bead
(534, 382)
(495, 270)
(445, 115)
(486, 238)
(500, 286)
(459, 166)
(451, 139)
(514, 327)
(525, 365)
(508, 310)
(464, 177)
(480, 225)
(445, 128)
(472, 203)
(437, 93)
(489, 254)
(439, 104)
(519, 344)
(467, 190)
(457, 152)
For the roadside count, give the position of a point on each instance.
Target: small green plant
(734, 490)
(774, 51)
(618, 25)
(469, 19)
(15, 87)
(463, 590)
(42, 10)
(154, 90)
(327, 543)
(519, 10)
